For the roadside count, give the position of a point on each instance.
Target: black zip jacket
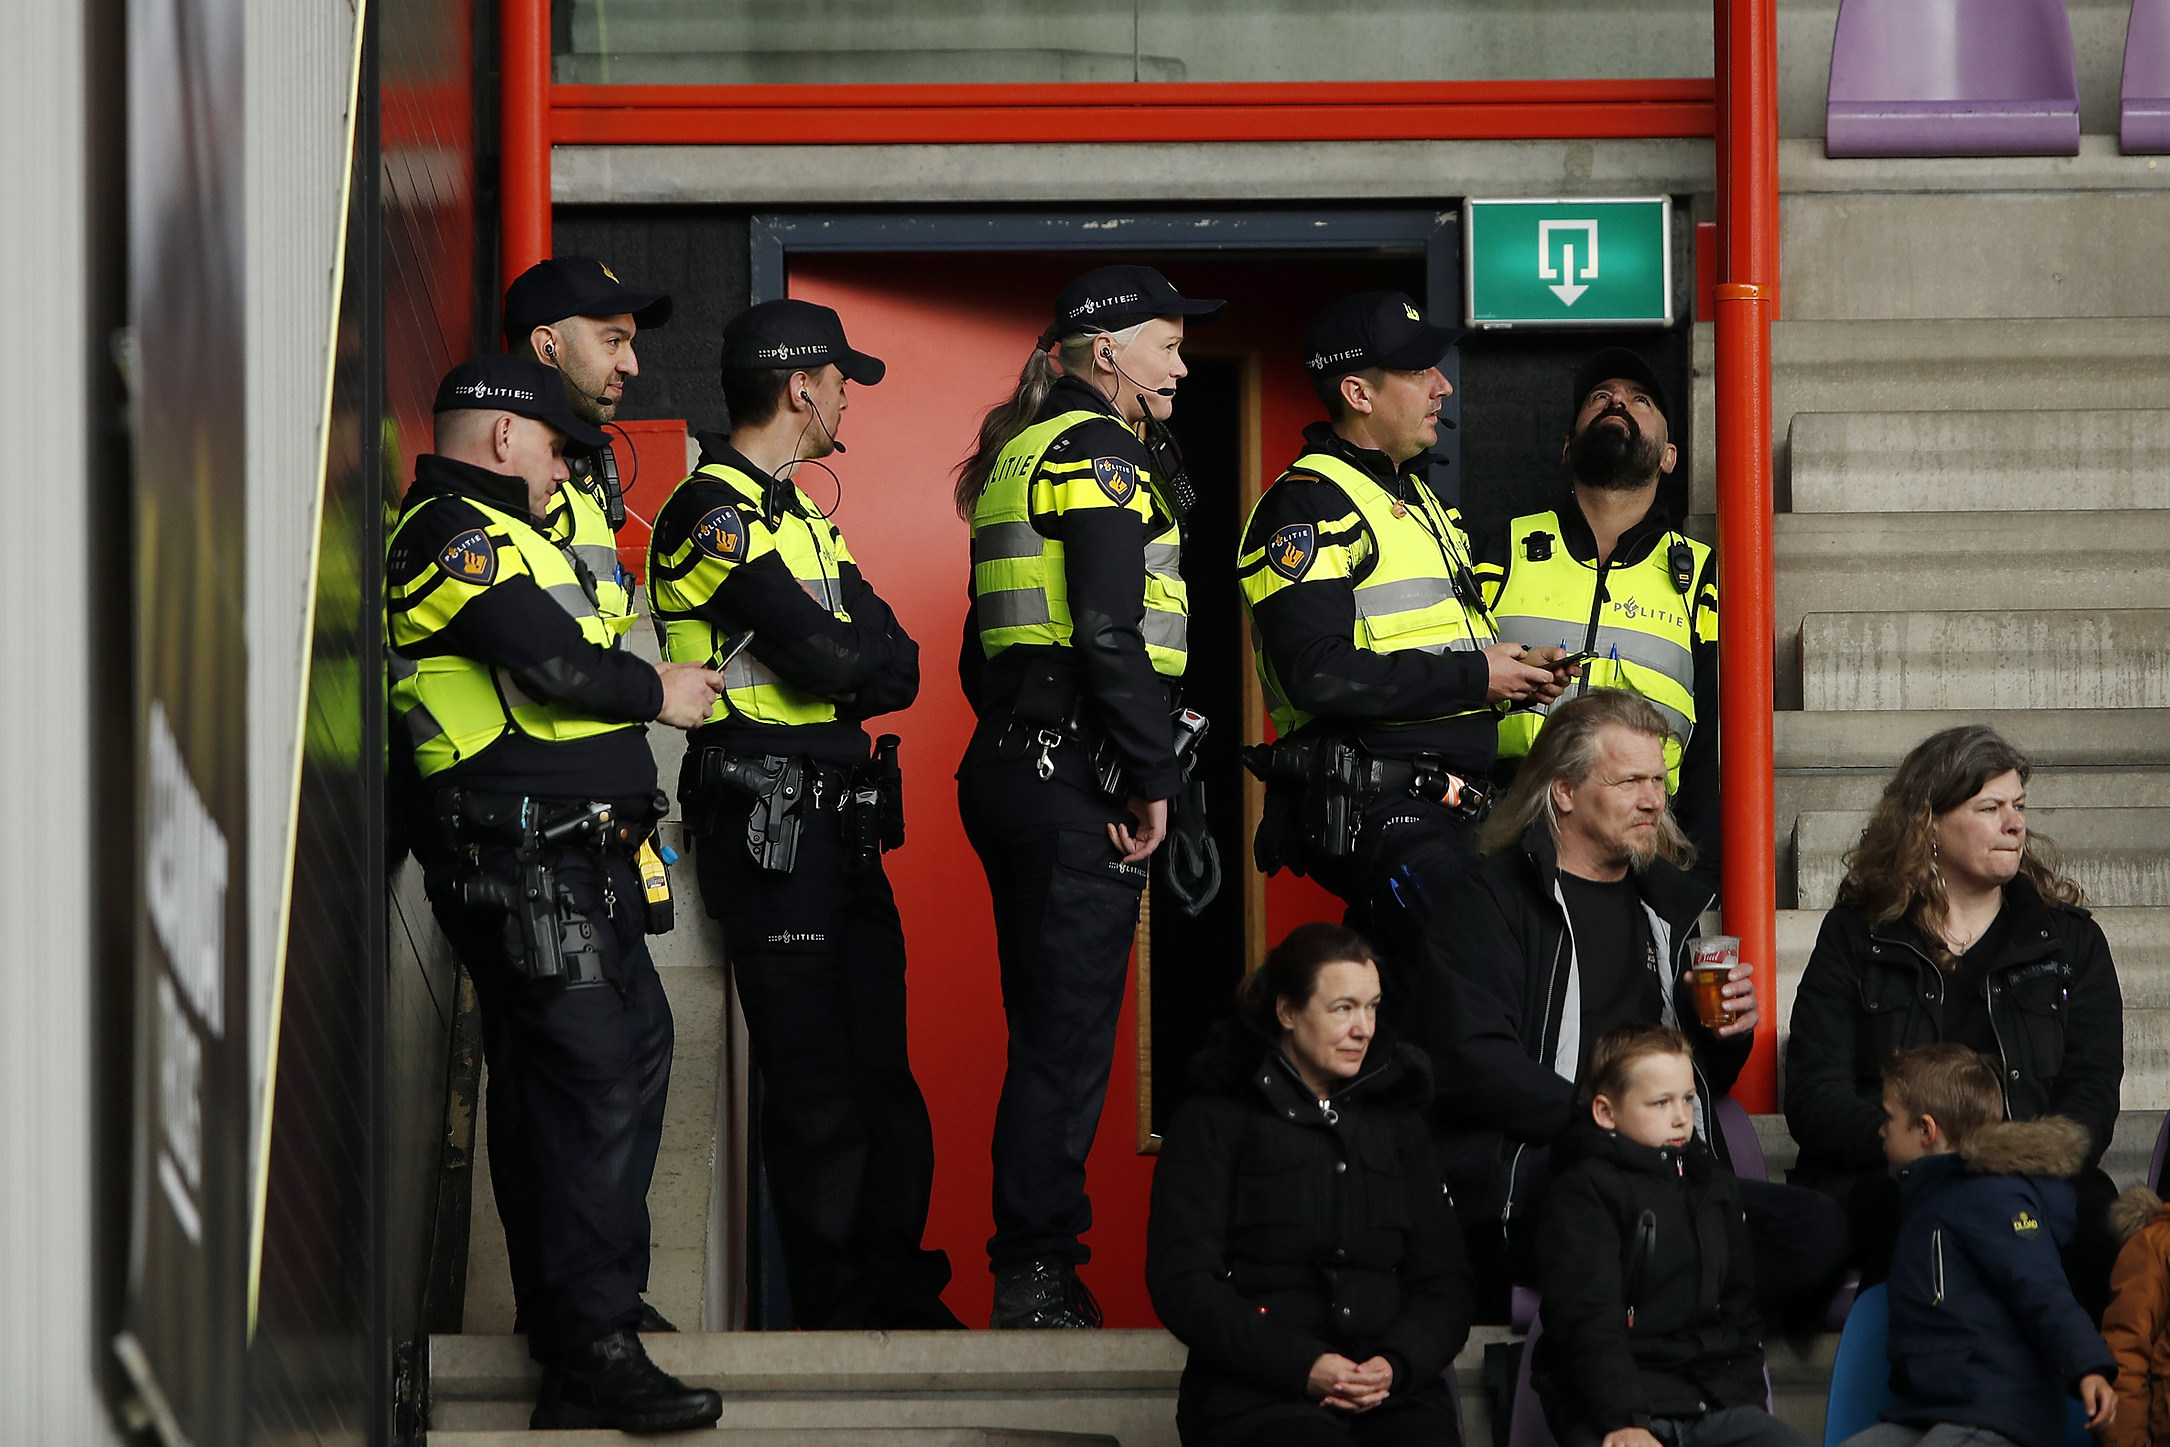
(1696, 805)
(1501, 1021)
(1867, 992)
(1309, 628)
(871, 658)
(1648, 1277)
(514, 625)
(1281, 1232)
(1104, 577)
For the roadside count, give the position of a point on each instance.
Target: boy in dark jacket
(1650, 1332)
(1987, 1340)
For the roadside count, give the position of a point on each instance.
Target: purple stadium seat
(2143, 120)
(1953, 78)
(1741, 1141)
(1526, 1427)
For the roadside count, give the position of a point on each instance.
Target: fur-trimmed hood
(2133, 1211)
(2055, 1145)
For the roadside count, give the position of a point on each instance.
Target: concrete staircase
(1974, 482)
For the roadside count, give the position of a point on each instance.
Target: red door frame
(1739, 110)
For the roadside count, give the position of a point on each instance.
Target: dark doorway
(1199, 960)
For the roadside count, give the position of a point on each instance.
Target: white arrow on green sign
(1596, 262)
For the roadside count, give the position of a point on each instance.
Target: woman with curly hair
(1954, 923)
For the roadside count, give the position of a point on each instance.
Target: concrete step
(2102, 459)
(1118, 1384)
(2060, 738)
(2119, 856)
(1968, 365)
(2039, 658)
(1987, 253)
(1899, 562)
(2049, 789)
(2139, 940)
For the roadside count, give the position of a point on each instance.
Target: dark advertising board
(185, 1327)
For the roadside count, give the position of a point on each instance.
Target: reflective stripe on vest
(1644, 634)
(580, 523)
(1019, 586)
(683, 580)
(1407, 601)
(452, 707)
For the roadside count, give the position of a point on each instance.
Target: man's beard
(1614, 459)
(584, 402)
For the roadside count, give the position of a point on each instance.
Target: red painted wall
(954, 330)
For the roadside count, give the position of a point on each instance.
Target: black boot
(611, 1383)
(652, 1320)
(1042, 1293)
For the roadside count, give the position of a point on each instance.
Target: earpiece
(550, 351)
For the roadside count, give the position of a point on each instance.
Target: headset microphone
(1108, 356)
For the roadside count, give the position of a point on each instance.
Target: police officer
(1381, 668)
(1608, 572)
(790, 815)
(526, 724)
(1073, 648)
(571, 313)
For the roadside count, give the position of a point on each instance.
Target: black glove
(1190, 862)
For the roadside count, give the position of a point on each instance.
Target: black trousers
(1800, 1239)
(1396, 1422)
(1066, 910)
(577, 1083)
(818, 958)
(1405, 855)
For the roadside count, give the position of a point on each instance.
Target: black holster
(776, 788)
(546, 938)
(873, 808)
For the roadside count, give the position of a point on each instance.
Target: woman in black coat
(1301, 1244)
(1951, 926)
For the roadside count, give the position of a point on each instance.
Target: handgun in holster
(1328, 774)
(776, 788)
(1187, 726)
(546, 939)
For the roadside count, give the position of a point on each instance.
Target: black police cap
(1619, 362)
(1111, 298)
(522, 386)
(798, 335)
(575, 286)
(1374, 329)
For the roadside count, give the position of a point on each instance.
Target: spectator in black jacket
(1650, 1326)
(1579, 923)
(1300, 1243)
(1951, 926)
(1987, 1342)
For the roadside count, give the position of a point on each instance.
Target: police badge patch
(1289, 552)
(471, 558)
(1118, 478)
(721, 534)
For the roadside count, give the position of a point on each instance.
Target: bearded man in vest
(535, 792)
(790, 814)
(1609, 572)
(572, 314)
(1383, 674)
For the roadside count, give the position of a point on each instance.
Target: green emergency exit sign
(1603, 262)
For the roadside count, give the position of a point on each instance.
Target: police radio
(606, 463)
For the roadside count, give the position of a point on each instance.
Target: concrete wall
(48, 1389)
(868, 41)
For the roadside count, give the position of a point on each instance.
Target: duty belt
(1339, 778)
(782, 788)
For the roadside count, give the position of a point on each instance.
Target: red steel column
(524, 132)
(1747, 299)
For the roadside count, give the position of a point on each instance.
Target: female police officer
(1072, 648)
